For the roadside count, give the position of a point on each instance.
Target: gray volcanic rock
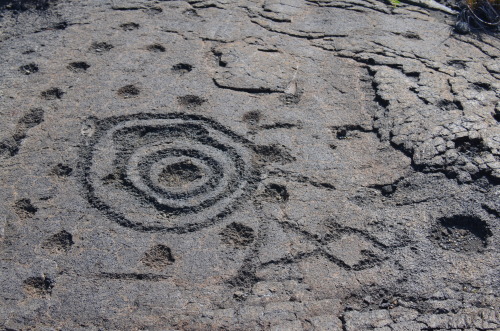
(247, 165)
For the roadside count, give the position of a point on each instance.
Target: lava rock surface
(247, 165)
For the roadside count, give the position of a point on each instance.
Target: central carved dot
(180, 174)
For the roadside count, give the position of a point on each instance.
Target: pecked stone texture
(251, 165)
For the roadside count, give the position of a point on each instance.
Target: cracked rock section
(253, 69)
(247, 165)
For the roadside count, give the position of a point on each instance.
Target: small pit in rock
(59, 242)
(191, 13)
(342, 134)
(78, 66)
(129, 26)
(9, 147)
(496, 116)
(180, 174)
(386, 190)
(182, 68)
(158, 257)
(273, 153)
(61, 170)
(100, 47)
(32, 118)
(480, 86)
(24, 208)
(52, 94)
(413, 76)
(237, 235)
(246, 278)
(61, 25)
(276, 192)
(347, 131)
(128, 91)
(450, 105)
(458, 64)
(117, 177)
(469, 146)
(156, 48)
(28, 69)
(411, 35)
(461, 233)
(252, 117)
(38, 285)
(289, 98)
(191, 100)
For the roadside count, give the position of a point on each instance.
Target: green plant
(395, 2)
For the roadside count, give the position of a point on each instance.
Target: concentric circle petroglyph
(166, 172)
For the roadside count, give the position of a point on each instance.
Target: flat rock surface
(247, 165)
